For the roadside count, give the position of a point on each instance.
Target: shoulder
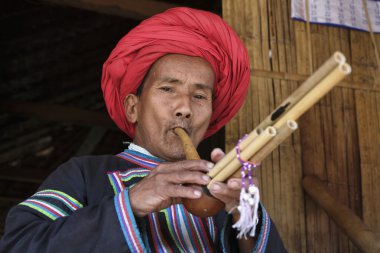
(97, 163)
(79, 170)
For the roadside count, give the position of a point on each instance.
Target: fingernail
(206, 178)
(197, 193)
(234, 184)
(216, 187)
(210, 165)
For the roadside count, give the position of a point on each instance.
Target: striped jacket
(84, 207)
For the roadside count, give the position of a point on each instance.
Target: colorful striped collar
(143, 160)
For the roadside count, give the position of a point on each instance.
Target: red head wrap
(178, 31)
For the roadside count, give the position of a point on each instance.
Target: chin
(176, 156)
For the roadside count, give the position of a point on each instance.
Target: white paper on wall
(345, 13)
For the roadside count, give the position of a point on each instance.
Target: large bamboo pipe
(315, 94)
(282, 134)
(358, 232)
(259, 142)
(336, 60)
(206, 205)
(302, 105)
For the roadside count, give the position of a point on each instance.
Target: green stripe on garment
(76, 202)
(110, 177)
(167, 217)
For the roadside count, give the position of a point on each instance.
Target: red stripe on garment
(199, 247)
(204, 233)
(130, 222)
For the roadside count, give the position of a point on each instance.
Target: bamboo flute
(232, 155)
(282, 133)
(315, 94)
(335, 60)
(246, 154)
(302, 105)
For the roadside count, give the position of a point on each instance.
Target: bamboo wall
(338, 140)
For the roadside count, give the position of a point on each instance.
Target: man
(182, 68)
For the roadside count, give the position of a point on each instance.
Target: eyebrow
(176, 81)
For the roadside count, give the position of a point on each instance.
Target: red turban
(178, 31)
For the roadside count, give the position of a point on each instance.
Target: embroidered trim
(49, 210)
(132, 173)
(160, 244)
(142, 160)
(184, 229)
(198, 228)
(66, 199)
(173, 228)
(264, 232)
(194, 233)
(211, 228)
(116, 182)
(181, 228)
(127, 222)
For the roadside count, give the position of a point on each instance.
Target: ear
(130, 107)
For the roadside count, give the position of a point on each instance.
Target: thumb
(217, 154)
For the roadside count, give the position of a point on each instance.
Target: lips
(184, 126)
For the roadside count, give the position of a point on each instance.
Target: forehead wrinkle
(204, 86)
(169, 79)
(174, 80)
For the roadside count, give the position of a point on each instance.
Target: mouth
(187, 132)
(186, 128)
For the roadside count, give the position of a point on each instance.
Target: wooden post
(358, 232)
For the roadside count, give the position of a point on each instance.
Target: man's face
(177, 92)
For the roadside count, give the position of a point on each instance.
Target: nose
(183, 110)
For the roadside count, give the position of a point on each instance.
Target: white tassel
(248, 208)
(249, 199)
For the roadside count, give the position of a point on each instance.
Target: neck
(138, 148)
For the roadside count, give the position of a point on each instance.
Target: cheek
(204, 119)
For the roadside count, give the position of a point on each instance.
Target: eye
(200, 96)
(166, 88)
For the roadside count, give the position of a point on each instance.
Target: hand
(164, 186)
(228, 192)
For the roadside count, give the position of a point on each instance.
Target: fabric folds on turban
(178, 31)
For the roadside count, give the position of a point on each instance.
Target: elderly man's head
(179, 31)
(177, 92)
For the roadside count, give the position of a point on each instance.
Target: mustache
(182, 124)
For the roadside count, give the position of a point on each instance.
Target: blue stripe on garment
(264, 231)
(211, 228)
(188, 228)
(202, 233)
(127, 222)
(115, 181)
(62, 197)
(160, 244)
(175, 215)
(140, 159)
(133, 173)
(169, 217)
(46, 208)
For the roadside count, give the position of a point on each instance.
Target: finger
(224, 193)
(234, 184)
(180, 191)
(217, 154)
(186, 177)
(192, 165)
